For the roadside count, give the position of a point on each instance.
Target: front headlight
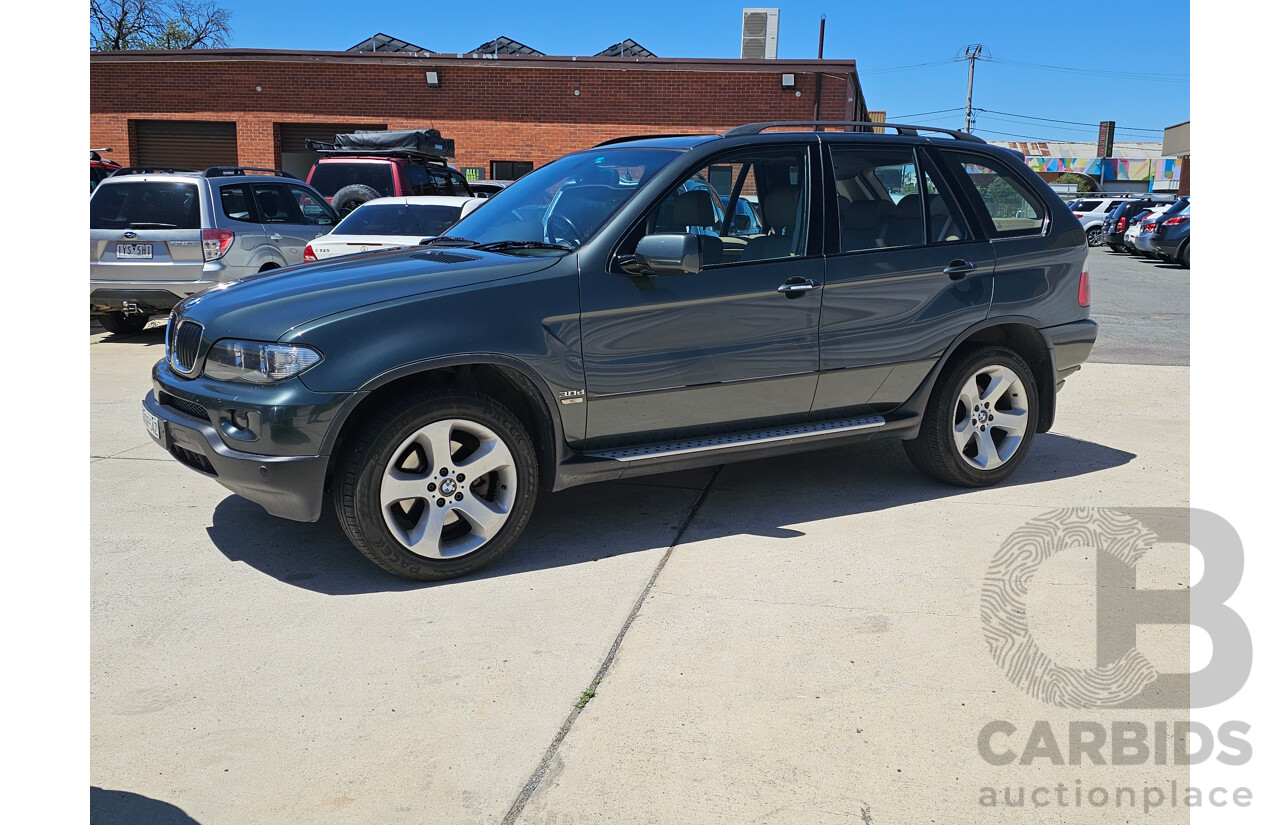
(258, 362)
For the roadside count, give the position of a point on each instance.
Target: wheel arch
(506, 380)
(1018, 333)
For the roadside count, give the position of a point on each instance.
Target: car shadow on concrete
(152, 336)
(643, 514)
(125, 808)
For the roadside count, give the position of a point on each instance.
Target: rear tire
(437, 484)
(346, 199)
(1094, 236)
(118, 323)
(1184, 257)
(980, 420)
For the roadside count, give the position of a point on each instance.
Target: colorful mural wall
(1128, 169)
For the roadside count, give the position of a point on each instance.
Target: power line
(1148, 76)
(906, 68)
(1075, 122)
(922, 114)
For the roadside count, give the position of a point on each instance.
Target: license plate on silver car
(133, 250)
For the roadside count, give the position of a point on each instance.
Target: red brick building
(255, 107)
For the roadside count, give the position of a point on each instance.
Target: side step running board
(719, 442)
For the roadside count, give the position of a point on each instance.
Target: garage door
(296, 158)
(185, 144)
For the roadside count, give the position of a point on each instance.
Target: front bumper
(290, 487)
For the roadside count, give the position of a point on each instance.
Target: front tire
(437, 485)
(980, 420)
(118, 323)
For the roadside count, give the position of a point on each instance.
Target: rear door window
(276, 204)
(154, 204)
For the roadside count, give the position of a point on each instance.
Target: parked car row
(1093, 211)
(1152, 230)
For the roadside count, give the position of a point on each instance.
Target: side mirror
(665, 254)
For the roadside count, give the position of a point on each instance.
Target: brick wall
(494, 109)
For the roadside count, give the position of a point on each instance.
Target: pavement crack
(544, 766)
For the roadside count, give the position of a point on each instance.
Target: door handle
(958, 268)
(277, 237)
(795, 287)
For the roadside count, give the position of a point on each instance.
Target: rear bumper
(151, 296)
(1069, 347)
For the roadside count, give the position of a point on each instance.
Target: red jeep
(362, 166)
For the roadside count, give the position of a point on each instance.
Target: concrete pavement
(810, 650)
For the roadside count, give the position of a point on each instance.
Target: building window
(509, 169)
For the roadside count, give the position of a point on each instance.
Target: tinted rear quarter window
(1006, 199)
(153, 204)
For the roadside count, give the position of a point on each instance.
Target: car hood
(266, 306)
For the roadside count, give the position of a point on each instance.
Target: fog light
(239, 419)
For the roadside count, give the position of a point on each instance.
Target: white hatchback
(387, 223)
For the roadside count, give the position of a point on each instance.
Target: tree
(1083, 183)
(116, 25)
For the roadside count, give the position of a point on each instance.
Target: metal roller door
(185, 144)
(296, 158)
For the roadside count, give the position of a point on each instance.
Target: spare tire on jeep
(348, 198)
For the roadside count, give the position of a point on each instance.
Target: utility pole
(971, 53)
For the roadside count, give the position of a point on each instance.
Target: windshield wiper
(498, 246)
(447, 240)
(148, 225)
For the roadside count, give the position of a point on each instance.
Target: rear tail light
(216, 242)
(309, 254)
(1082, 295)
(1120, 224)
(1175, 221)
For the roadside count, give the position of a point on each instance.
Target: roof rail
(219, 171)
(150, 170)
(903, 129)
(329, 150)
(612, 141)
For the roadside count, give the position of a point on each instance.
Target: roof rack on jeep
(903, 129)
(93, 153)
(219, 171)
(150, 170)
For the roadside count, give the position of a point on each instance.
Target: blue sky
(1071, 62)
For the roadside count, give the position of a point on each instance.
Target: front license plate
(133, 250)
(153, 424)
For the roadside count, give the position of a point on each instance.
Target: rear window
(1085, 206)
(399, 219)
(329, 177)
(145, 205)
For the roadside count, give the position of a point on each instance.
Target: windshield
(419, 220)
(566, 201)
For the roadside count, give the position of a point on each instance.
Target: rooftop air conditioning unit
(760, 34)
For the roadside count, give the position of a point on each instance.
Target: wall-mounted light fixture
(788, 81)
(433, 80)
